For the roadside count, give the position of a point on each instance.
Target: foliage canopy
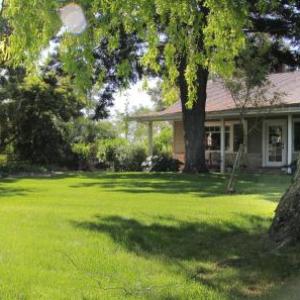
(205, 33)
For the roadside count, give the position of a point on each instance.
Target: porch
(269, 142)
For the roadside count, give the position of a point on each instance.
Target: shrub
(87, 155)
(19, 167)
(162, 163)
(120, 155)
(115, 153)
(133, 158)
(163, 142)
(110, 151)
(3, 159)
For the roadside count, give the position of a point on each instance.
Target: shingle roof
(219, 99)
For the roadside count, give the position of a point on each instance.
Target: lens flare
(73, 18)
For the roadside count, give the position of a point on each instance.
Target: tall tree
(34, 113)
(109, 75)
(182, 41)
(281, 21)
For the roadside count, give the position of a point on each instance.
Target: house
(271, 134)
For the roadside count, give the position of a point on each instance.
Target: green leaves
(223, 35)
(208, 35)
(33, 23)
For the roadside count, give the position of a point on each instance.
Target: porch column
(245, 135)
(150, 138)
(222, 169)
(290, 142)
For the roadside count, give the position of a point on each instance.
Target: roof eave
(229, 113)
(152, 118)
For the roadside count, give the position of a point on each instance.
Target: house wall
(178, 140)
(254, 157)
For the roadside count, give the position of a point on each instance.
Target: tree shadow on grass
(8, 191)
(270, 187)
(213, 184)
(223, 246)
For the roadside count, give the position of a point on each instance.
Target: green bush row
(116, 153)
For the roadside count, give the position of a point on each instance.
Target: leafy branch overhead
(208, 34)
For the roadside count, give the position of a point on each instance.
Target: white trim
(229, 124)
(245, 135)
(173, 135)
(223, 146)
(290, 142)
(265, 139)
(230, 113)
(150, 138)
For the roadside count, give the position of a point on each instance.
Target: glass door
(275, 143)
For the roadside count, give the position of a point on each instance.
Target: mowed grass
(141, 236)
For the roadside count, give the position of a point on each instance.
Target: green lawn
(141, 236)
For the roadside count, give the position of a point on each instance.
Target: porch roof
(220, 103)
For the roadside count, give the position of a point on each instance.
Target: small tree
(250, 88)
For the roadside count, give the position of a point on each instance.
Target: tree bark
(194, 121)
(285, 228)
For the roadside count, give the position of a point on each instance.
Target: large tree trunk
(194, 122)
(285, 228)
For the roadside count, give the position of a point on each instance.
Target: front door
(275, 143)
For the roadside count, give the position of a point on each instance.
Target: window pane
(227, 140)
(213, 138)
(297, 136)
(212, 129)
(212, 141)
(238, 137)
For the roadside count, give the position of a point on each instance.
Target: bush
(163, 142)
(86, 154)
(19, 167)
(114, 153)
(120, 155)
(162, 163)
(133, 158)
(3, 159)
(110, 151)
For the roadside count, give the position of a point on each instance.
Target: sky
(136, 97)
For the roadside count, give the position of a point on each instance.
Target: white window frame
(229, 124)
(266, 123)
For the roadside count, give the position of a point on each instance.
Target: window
(297, 136)
(213, 138)
(238, 136)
